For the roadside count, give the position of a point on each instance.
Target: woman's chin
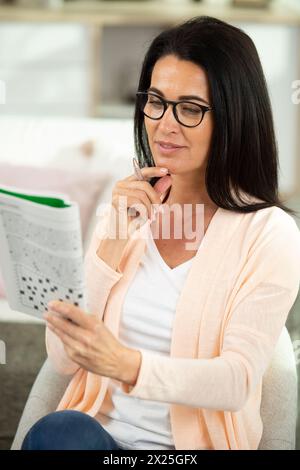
(165, 162)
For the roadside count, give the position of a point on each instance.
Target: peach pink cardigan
(241, 286)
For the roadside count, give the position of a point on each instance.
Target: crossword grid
(35, 291)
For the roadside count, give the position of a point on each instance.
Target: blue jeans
(68, 430)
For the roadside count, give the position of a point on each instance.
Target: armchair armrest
(279, 398)
(43, 399)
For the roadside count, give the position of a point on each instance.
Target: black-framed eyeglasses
(187, 113)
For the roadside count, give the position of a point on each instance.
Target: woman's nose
(168, 122)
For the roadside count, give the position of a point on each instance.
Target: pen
(140, 177)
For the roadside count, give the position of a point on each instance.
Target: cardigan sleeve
(267, 288)
(99, 280)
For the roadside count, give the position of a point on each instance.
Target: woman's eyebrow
(183, 97)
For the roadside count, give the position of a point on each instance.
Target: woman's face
(173, 78)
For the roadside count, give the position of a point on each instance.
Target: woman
(181, 329)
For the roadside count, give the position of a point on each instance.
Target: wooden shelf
(147, 12)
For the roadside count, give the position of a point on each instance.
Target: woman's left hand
(89, 343)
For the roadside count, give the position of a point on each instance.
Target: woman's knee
(68, 429)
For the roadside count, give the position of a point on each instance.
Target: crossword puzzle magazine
(40, 250)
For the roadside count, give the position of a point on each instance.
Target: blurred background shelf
(149, 11)
(115, 110)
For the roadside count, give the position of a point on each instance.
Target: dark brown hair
(243, 154)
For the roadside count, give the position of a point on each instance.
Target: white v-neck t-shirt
(146, 323)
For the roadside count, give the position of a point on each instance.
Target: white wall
(45, 68)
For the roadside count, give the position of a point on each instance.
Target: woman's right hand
(133, 199)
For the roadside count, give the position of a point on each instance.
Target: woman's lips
(167, 149)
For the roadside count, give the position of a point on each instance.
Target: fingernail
(164, 170)
(54, 304)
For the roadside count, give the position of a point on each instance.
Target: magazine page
(41, 254)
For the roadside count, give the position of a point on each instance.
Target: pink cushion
(83, 187)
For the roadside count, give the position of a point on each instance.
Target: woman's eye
(155, 103)
(190, 109)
